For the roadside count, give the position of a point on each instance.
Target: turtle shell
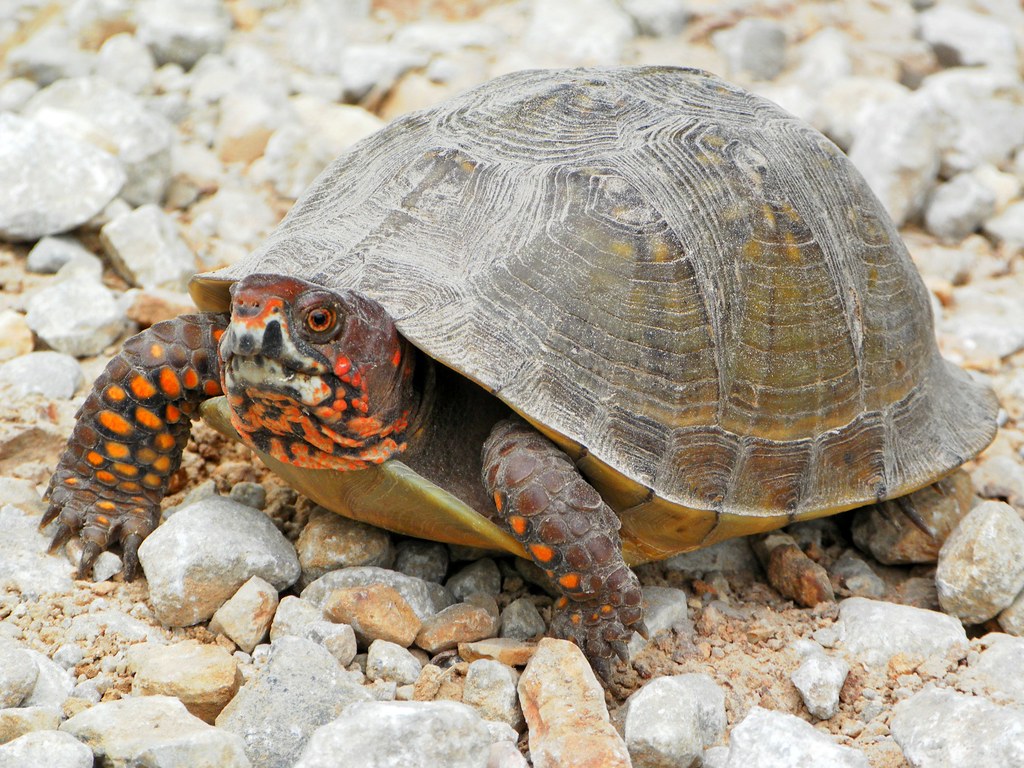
(690, 290)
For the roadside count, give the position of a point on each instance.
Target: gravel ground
(142, 141)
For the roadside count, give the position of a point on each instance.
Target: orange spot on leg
(148, 419)
(117, 450)
(169, 383)
(570, 580)
(115, 422)
(94, 458)
(115, 394)
(142, 387)
(542, 552)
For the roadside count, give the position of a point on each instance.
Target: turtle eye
(319, 319)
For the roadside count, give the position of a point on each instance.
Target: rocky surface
(140, 142)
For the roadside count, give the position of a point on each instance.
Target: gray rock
(980, 112)
(658, 18)
(293, 157)
(80, 318)
(872, 631)
(374, 67)
(245, 618)
(15, 93)
(197, 559)
(25, 566)
(898, 152)
(439, 37)
(144, 246)
(521, 620)
(302, 618)
(480, 576)
(981, 565)
(730, 556)
(50, 182)
(578, 31)
(984, 733)
(15, 336)
(491, 690)
(427, 560)
(390, 661)
(1012, 618)
(776, 740)
(664, 608)
(755, 47)
(329, 542)
(315, 28)
(300, 688)
(961, 37)
(996, 672)
(826, 57)
(140, 137)
(819, 679)
(251, 494)
(424, 597)
(857, 577)
(183, 32)
(415, 734)
(51, 374)
(671, 720)
(292, 616)
(68, 655)
(18, 673)
(984, 324)
(1008, 226)
(846, 106)
(18, 721)
(154, 731)
(50, 55)
(125, 61)
(50, 748)
(959, 207)
(52, 253)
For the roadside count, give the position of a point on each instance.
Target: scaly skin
(571, 533)
(129, 435)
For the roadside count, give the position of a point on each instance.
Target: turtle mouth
(265, 374)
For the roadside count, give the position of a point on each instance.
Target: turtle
(592, 317)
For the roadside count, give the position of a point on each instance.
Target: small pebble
(480, 576)
(521, 620)
(563, 704)
(459, 623)
(299, 688)
(911, 632)
(491, 690)
(985, 734)
(400, 733)
(754, 47)
(671, 720)
(426, 560)
(51, 374)
(154, 730)
(145, 247)
(79, 318)
(246, 616)
(769, 739)
(819, 679)
(375, 612)
(49, 747)
(200, 557)
(981, 565)
(390, 661)
(202, 677)
(329, 542)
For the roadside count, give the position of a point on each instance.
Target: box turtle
(602, 316)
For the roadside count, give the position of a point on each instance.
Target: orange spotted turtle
(592, 317)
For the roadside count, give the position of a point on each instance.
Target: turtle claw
(130, 555)
(61, 536)
(90, 551)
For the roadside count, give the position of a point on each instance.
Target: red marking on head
(397, 357)
(342, 366)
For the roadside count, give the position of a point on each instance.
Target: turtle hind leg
(568, 530)
(129, 436)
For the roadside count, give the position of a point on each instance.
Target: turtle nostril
(245, 344)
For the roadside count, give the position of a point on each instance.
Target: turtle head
(314, 377)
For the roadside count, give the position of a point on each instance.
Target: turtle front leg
(568, 530)
(129, 435)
